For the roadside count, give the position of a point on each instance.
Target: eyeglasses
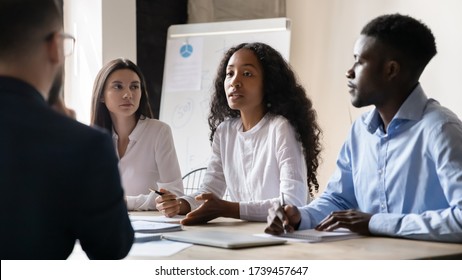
(68, 42)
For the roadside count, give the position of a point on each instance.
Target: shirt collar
(412, 109)
(137, 131)
(254, 129)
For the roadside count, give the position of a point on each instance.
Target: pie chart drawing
(186, 50)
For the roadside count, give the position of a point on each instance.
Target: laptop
(221, 239)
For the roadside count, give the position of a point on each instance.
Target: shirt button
(380, 171)
(382, 205)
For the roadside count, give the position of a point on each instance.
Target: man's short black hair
(404, 34)
(22, 21)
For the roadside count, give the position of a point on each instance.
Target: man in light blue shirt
(399, 173)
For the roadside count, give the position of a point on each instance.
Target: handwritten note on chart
(184, 65)
(183, 113)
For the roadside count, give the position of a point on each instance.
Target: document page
(312, 235)
(154, 227)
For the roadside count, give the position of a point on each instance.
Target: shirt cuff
(175, 187)
(305, 222)
(385, 224)
(193, 203)
(141, 202)
(250, 212)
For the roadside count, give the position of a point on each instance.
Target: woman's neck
(123, 126)
(251, 119)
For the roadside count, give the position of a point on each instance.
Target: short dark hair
(404, 34)
(99, 113)
(23, 21)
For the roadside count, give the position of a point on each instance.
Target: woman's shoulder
(228, 127)
(153, 123)
(279, 125)
(228, 123)
(278, 120)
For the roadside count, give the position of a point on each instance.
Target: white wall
(119, 29)
(323, 34)
(104, 30)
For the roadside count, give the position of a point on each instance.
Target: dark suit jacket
(59, 183)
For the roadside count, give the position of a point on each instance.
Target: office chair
(192, 181)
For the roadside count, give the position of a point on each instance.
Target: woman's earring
(268, 104)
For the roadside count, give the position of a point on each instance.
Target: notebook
(312, 235)
(222, 239)
(159, 219)
(154, 227)
(141, 237)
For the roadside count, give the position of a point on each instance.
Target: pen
(284, 225)
(157, 192)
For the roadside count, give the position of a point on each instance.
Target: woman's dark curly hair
(284, 96)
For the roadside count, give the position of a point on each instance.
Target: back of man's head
(25, 23)
(406, 35)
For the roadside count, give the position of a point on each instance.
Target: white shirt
(150, 161)
(256, 166)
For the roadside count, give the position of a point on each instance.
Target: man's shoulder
(74, 134)
(81, 130)
(436, 113)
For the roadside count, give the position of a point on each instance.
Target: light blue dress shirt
(410, 178)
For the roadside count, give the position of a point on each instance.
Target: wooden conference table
(365, 248)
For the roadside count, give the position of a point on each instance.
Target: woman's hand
(169, 205)
(212, 208)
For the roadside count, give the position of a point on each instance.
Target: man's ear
(392, 69)
(55, 48)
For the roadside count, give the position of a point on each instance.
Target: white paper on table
(285, 238)
(161, 248)
(313, 236)
(154, 227)
(159, 219)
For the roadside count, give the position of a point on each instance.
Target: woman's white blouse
(256, 166)
(150, 161)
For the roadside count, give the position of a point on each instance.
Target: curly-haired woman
(265, 141)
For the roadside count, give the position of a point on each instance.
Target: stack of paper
(159, 219)
(141, 237)
(312, 235)
(154, 227)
